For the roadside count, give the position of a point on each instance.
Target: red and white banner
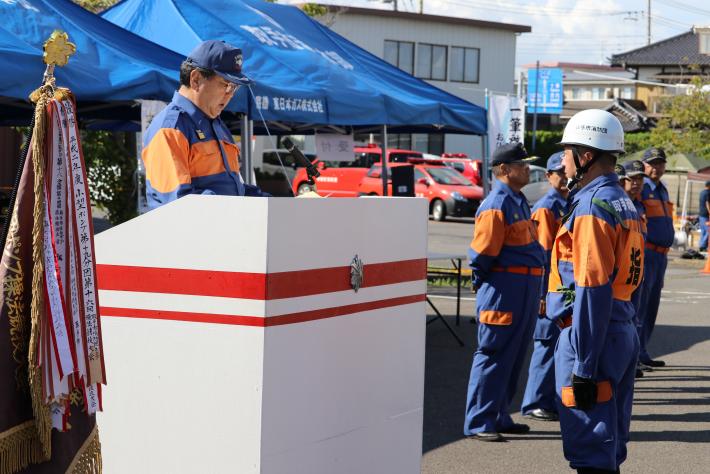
(71, 353)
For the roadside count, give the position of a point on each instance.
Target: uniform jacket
(659, 213)
(186, 152)
(597, 263)
(504, 236)
(547, 215)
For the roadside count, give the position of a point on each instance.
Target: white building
(461, 56)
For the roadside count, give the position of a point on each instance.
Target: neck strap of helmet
(579, 174)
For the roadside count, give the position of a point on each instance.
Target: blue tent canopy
(110, 64)
(306, 75)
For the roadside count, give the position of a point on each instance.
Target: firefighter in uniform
(631, 176)
(187, 148)
(507, 265)
(659, 221)
(597, 263)
(539, 398)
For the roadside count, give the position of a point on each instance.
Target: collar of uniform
(599, 181)
(556, 195)
(198, 117)
(505, 189)
(653, 185)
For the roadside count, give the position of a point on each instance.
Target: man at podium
(187, 148)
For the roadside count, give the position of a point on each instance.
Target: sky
(586, 31)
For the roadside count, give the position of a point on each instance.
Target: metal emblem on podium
(357, 273)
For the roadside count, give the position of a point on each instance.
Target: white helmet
(596, 129)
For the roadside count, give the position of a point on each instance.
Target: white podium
(236, 343)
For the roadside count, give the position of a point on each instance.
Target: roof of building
(683, 49)
(570, 66)
(629, 112)
(428, 18)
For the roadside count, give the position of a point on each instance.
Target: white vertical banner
(506, 120)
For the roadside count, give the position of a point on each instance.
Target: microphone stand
(311, 170)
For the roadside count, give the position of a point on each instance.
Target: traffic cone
(706, 270)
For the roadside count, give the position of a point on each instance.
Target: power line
(685, 6)
(536, 9)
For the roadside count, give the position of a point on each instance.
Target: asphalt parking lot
(670, 430)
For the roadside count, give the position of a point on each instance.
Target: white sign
(506, 120)
(334, 147)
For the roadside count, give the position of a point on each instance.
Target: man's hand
(585, 392)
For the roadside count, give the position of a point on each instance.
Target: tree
(96, 6)
(686, 129)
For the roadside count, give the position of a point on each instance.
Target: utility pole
(648, 22)
(421, 7)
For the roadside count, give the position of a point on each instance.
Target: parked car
(538, 185)
(272, 177)
(463, 164)
(448, 192)
(342, 178)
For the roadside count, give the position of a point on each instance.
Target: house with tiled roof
(672, 61)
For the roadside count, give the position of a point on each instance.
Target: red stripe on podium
(259, 321)
(257, 286)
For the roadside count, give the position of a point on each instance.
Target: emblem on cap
(357, 273)
(238, 60)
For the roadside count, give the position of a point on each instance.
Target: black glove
(585, 392)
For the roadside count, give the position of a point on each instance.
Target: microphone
(311, 170)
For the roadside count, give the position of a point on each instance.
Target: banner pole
(537, 92)
(486, 153)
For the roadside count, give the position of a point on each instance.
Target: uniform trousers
(597, 438)
(540, 389)
(501, 349)
(653, 275)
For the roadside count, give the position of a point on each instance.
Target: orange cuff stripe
(496, 318)
(488, 232)
(603, 394)
(166, 160)
(593, 250)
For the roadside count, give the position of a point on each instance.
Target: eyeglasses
(230, 87)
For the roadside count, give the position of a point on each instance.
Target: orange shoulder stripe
(546, 227)
(489, 232)
(520, 233)
(592, 250)
(166, 160)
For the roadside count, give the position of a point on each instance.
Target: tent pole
(246, 168)
(484, 161)
(383, 160)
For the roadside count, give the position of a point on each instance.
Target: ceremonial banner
(506, 120)
(51, 359)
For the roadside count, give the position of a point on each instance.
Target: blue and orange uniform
(186, 152)
(597, 263)
(540, 390)
(507, 265)
(659, 238)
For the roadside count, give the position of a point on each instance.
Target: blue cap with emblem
(654, 154)
(554, 162)
(222, 58)
(634, 168)
(510, 153)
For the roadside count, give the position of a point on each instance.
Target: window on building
(400, 54)
(627, 93)
(464, 64)
(431, 62)
(704, 42)
(577, 93)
